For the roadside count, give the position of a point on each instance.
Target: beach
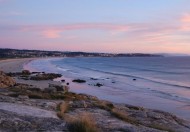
(13, 65)
(17, 65)
(37, 101)
(135, 81)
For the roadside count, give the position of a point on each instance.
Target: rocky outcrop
(6, 81)
(45, 76)
(38, 76)
(26, 107)
(10, 121)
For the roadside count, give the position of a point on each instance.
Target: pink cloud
(55, 31)
(185, 22)
(51, 33)
(186, 18)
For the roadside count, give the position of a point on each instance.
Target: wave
(171, 96)
(151, 70)
(137, 77)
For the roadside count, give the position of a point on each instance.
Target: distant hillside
(15, 53)
(173, 54)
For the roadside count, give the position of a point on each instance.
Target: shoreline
(17, 65)
(132, 97)
(14, 65)
(102, 111)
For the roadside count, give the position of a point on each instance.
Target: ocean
(161, 83)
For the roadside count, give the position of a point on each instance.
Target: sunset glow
(146, 26)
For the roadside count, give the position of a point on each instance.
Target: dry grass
(82, 123)
(123, 116)
(105, 105)
(63, 108)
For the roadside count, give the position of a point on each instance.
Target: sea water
(154, 82)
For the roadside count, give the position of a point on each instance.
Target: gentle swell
(132, 76)
(142, 69)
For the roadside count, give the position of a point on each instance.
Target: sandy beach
(17, 65)
(13, 65)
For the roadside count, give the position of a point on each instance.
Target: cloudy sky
(147, 26)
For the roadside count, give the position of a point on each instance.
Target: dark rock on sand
(79, 81)
(98, 84)
(93, 78)
(63, 80)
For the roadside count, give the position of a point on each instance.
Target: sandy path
(27, 110)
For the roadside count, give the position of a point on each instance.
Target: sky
(112, 26)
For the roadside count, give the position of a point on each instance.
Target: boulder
(59, 88)
(50, 90)
(26, 72)
(6, 81)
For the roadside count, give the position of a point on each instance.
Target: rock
(13, 122)
(45, 76)
(134, 79)
(63, 80)
(59, 88)
(26, 72)
(66, 88)
(35, 72)
(79, 81)
(98, 84)
(93, 78)
(79, 104)
(50, 90)
(6, 81)
(89, 97)
(23, 97)
(84, 104)
(35, 89)
(49, 105)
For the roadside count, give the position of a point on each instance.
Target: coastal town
(15, 53)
